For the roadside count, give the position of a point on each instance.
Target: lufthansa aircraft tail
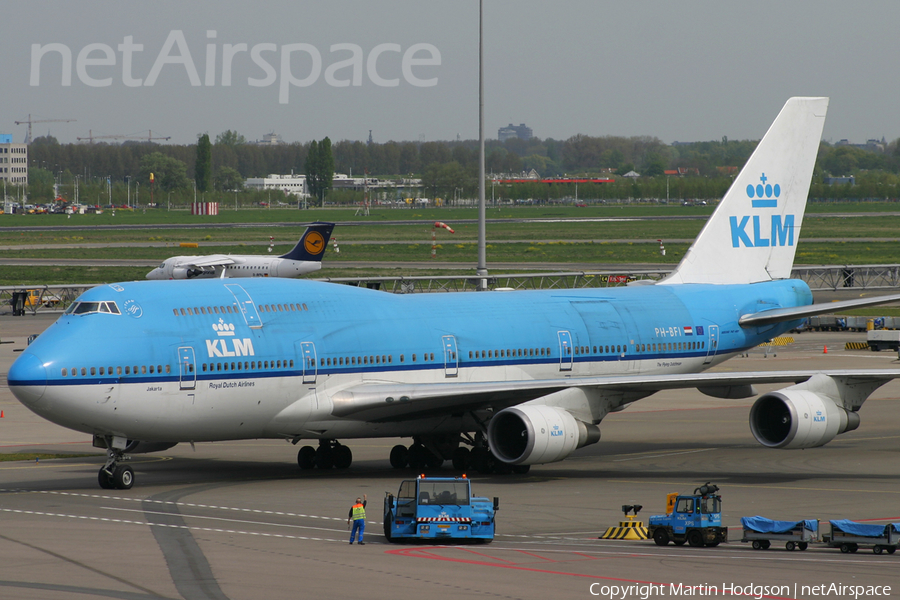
(311, 246)
(753, 234)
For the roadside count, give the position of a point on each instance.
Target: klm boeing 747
(306, 257)
(498, 380)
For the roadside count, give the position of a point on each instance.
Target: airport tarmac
(239, 520)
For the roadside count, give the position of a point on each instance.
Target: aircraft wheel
(306, 457)
(432, 460)
(104, 480)
(461, 458)
(123, 477)
(477, 458)
(695, 539)
(417, 457)
(343, 457)
(661, 537)
(399, 457)
(487, 463)
(324, 457)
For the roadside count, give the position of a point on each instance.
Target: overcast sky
(408, 69)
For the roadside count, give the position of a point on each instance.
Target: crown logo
(764, 194)
(222, 328)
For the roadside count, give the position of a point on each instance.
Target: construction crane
(149, 137)
(30, 121)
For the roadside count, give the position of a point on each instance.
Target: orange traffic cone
(825, 351)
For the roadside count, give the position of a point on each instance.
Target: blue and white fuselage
(264, 358)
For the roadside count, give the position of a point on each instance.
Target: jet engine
(797, 418)
(179, 273)
(537, 434)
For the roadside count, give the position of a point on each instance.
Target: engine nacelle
(537, 434)
(797, 418)
(179, 273)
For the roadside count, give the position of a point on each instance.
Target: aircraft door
(712, 343)
(308, 361)
(451, 356)
(246, 306)
(187, 368)
(566, 352)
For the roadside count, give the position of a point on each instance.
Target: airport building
(13, 161)
(511, 131)
(289, 184)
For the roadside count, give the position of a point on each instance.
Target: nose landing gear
(113, 476)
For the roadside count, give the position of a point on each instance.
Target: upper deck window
(84, 308)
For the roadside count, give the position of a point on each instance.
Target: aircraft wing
(397, 402)
(779, 315)
(205, 262)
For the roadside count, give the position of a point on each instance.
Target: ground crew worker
(358, 516)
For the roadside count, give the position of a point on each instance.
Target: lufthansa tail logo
(314, 243)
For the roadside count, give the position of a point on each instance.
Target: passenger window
(401, 356)
(414, 358)
(64, 372)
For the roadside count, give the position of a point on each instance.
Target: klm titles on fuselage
(220, 348)
(750, 231)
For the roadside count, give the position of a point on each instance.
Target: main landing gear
(420, 455)
(113, 476)
(329, 454)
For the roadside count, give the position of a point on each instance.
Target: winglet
(312, 245)
(752, 236)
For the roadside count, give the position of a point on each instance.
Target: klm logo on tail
(749, 230)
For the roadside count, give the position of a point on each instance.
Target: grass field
(564, 237)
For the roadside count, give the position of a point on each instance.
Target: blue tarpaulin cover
(859, 529)
(764, 525)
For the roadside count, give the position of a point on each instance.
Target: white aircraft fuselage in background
(306, 257)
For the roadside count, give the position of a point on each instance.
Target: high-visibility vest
(359, 512)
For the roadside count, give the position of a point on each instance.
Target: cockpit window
(84, 308)
(162, 266)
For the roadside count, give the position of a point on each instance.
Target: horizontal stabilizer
(780, 315)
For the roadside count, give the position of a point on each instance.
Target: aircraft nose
(27, 379)
(154, 274)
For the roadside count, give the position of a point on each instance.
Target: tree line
(447, 168)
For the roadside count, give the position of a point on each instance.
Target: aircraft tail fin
(312, 244)
(752, 235)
